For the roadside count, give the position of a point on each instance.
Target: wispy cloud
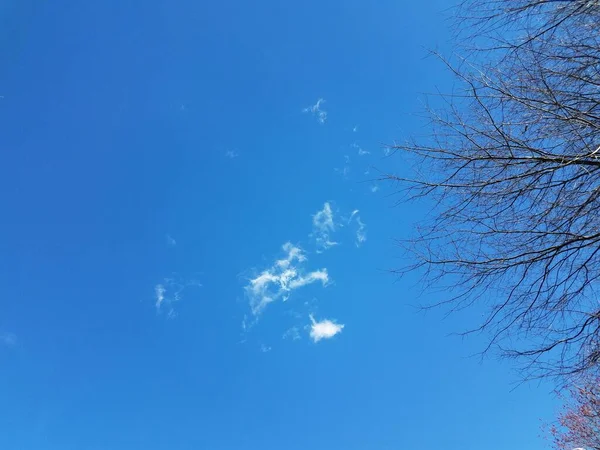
(324, 329)
(317, 111)
(361, 232)
(323, 227)
(8, 339)
(170, 241)
(265, 348)
(355, 129)
(169, 292)
(344, 171)
(361, 228)
(292, 333)
(374, 188)
(231, 154)
(159, 293)
(360, 150)
(281, 279)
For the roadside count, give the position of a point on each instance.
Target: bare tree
(513, 163)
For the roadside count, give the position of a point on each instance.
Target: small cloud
(355, 129)
(387, 151)
(293, 334)
(323, 227)
(232, 154)
(374, 188)
(170, 291)
(360, 150)
(8, 339)
(281, 279)
(324, 329)
(159, 293)
(170, 241)
(344, 171)
(264, 348)
(316, 111)
(361, 231)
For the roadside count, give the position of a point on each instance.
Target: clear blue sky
(168, 281)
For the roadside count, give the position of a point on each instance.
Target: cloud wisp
(361, 232)
(292, 334)
(317, 111)
(170, 241)
(281, 279)
(232, 154)
(323, 228)
(325, 224)
(169, 292)
(361, 228)
(360, 150)
(325, 329)
(8, 339)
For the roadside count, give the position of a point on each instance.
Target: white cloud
(170, 241)
(360, 150)
(283, 277)
(312, 277)
(344, 171)
(170, 291)
(292, 333)
(264, 348)
(355, 129)
(324, 329)
(316, 111)
(8, 339)
(323, 219)
(361, 230)
(354, 213)
(159, 292)
(323, 227)
(374, 188)
(293, 254)
(231, 154)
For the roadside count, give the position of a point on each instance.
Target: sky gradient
(194, 248)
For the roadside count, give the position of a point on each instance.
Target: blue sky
(193, 249)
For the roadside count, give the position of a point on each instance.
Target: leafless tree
(512, 160)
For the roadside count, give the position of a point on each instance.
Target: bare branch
(513, 165)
